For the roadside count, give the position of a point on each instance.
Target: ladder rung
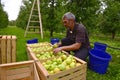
(35, 9)
(34, 26)
(33, 32)
(34, 21)
(35, 15)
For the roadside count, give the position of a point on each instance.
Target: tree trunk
(52, 17)
(113, 35)
(51, 33)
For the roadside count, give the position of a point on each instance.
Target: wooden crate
(31, 55)
(77, 73)
(7, 49)
(19, 71)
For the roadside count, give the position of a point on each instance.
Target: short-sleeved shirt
(79, 35)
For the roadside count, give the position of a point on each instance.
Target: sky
(12, 7)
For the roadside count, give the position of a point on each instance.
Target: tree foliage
(87, 12)
(110, 22)
(52, 11)
(24, 13)
(12, 23)
(3, 18)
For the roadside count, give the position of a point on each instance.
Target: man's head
(68, 20)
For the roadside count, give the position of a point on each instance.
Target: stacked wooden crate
(7, 49)
(76, 73)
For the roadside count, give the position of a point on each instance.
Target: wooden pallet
(19, 71)
(7, 49)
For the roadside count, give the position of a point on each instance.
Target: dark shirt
(79, 35)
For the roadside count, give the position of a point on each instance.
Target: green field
(113, 71)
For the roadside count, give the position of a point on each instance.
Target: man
(76, 37)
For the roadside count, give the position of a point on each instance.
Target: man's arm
(72, 47)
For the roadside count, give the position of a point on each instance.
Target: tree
(12, 23)
(24, 13)
(3, 18)
(52, 11)
(110, 22)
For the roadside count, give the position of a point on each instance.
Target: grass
(113, 71)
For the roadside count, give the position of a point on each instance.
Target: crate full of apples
(64, 67)
(60, 66)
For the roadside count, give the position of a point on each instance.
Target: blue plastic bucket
(54, 40)
(32, 41)
(100, 46)
(99, 61)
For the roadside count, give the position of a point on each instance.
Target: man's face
(66, 23)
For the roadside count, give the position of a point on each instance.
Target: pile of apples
(41, 49)
(45, 55)
(44, 50)
(61, 63)
(39, 44)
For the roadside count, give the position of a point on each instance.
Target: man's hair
(69, 15)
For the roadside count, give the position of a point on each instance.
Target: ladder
(34, 24)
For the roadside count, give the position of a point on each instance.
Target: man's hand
(56, 50)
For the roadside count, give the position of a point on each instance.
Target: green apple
(68, 60)
(64, 63)
(51, 72)
(47, 66)
(52, 66)
(37, 55)
(59, 60)
(78, 64)
(48, 62)
(64, 57)
(55, 63)
(62, 67)
(56, 70)
(67, 67)
(55, 45)
(43, 63)
(72, 65)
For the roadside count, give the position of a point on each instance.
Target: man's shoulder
(80, 26)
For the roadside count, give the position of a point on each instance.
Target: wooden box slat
(7, 49)
(14, 39)
(19, 76)
(3, 49)
(18, 71)
(25, 70)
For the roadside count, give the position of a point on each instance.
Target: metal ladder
(34, 24)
